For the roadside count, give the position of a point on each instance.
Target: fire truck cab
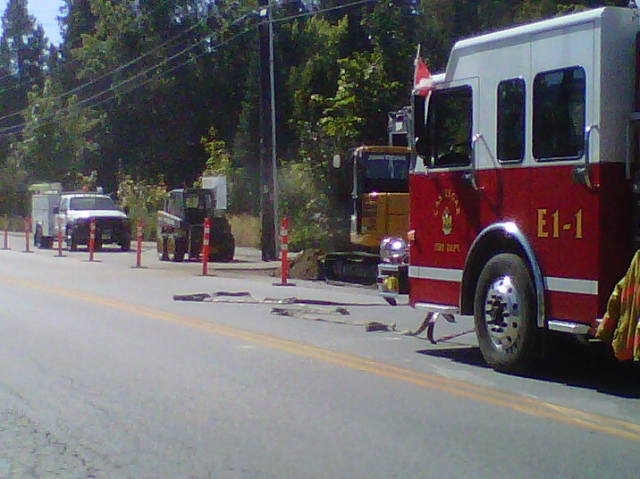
(522, 206)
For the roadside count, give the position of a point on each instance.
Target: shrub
(303, 199)
(246, 230)
(143, 199)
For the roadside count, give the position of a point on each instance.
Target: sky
(45, 12)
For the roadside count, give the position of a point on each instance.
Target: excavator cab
(380, 194)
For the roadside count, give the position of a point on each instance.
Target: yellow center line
(531, 406)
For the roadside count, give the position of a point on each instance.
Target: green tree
(314, 80)
(13, 191)
(23, 54)
(218, 157)
(142, 199)
(57, 137)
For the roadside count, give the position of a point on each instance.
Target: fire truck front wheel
(505, 314)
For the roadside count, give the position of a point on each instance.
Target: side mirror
(126, 210)
(56, 210)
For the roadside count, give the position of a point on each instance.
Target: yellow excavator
(380, 208)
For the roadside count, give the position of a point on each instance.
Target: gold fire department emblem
(446, 207)
(447, 222)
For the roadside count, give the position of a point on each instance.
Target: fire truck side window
(559, 114)
(449, 125)
(511, 119)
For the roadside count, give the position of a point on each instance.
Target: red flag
(421, 78)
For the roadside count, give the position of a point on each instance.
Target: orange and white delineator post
(205, 245)
(92, 238)
(6, 238)
(284, 253)
(139, 244)
(27, 230)
(284, 249)
(59, 236)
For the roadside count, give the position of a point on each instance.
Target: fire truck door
(445, 204)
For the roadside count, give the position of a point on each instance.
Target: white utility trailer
(45, 197)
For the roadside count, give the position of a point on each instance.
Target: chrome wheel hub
(502, 313)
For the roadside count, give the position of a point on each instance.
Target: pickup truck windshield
(92, 203)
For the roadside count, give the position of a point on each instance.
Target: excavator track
(352, 267)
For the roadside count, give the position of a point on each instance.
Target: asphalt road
(104, 375)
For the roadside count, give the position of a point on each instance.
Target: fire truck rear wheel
(505, 314)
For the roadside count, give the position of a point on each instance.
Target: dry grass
(246, 230)
(13, 223)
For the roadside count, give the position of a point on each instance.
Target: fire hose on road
(322, 311)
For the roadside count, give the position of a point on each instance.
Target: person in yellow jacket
(620, 326)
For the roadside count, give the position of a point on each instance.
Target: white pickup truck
(75, 212)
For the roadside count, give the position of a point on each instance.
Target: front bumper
(108, 231)
(393, 280)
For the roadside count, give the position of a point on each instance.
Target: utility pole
(268, 190)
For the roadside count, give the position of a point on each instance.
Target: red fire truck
(522, 193)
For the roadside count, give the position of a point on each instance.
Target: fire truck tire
(505, 314)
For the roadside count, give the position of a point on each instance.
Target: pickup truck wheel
(72, 242)
(505, 315)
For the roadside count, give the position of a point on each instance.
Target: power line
(324, 10)
(135, 60)
(9, 131)
(16, 128)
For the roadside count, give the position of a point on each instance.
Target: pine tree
(23, 57)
